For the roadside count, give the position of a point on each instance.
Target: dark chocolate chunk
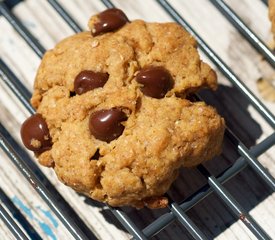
(72, 94)
(109, 20)
(35, 134)
(89, 80)
(96, 156)
(156, 81)
(106, 124)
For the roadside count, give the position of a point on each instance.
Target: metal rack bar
(22, 30)
(187, 222)
(251, 160)
(15, 85)
(68, 19)
(245, 30)
(235, 207)
(262, 172)
(265, 2)
(16, 214)
(108, 4)
(205, 190)
(36, 184)
(128, 224)
(12, 225)
(259, 106)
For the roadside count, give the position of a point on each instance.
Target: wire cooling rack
(176, 210)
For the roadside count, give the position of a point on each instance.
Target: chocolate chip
(106, 124)
(72, 94)
(89, 80)
(156, 81)
(109, 20)
(35, 134)
(96, 156)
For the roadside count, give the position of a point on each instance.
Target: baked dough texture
(271, 6)
(160, 135)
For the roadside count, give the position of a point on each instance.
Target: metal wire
(245, 30)
(259, 169)
(20, 28)
(16, 214)
(195, 232)
(68, 19)
(177, 211)
(18, 89)
(265, 2)
(236, 208)
(108, 4)
(12, 225)
(128, 224)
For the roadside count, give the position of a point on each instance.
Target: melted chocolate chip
(106, 124)
(89, 80)
(156, 81)
(109, 20)
(35, 134)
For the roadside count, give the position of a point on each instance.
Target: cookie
(271, 7)
(113, 119)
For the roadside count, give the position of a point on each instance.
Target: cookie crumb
(35, 143)
(266, 89)
(156, 202)
(95, 43)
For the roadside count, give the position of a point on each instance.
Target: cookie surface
(117, 136)
(271, 7)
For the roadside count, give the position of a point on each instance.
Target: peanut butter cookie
(112, 116)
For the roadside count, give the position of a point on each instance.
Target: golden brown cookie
(112, 104)
(271, 7)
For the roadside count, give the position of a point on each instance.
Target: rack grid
(177, 211)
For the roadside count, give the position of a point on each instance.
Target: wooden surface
(211, 215)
